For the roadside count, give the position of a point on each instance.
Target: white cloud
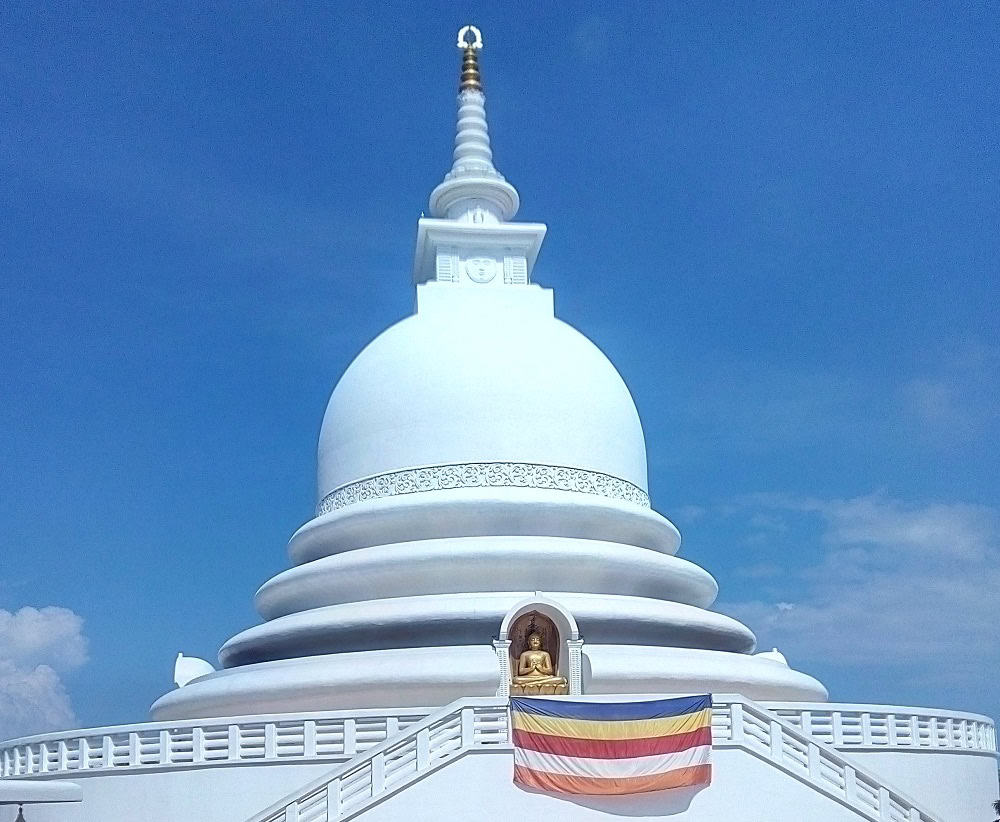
(37, 646)
(894, 583)
(956, 396)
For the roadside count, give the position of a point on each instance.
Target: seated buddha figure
(535, 674)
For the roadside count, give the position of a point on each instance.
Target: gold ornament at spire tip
(470, 40)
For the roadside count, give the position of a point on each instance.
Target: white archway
(569, 637)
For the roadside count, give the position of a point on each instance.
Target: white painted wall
(959, 786)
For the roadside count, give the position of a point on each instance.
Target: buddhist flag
(612, 747)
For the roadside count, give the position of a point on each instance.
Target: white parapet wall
(232, 768)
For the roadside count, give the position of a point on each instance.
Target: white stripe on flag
(612, 768)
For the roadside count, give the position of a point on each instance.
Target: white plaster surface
(496, 380)
(467, 618)
(478, 787)
(435, 676)
(471, 564)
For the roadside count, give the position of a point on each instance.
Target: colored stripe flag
(612, 747)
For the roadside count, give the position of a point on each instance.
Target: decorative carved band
(483, 475)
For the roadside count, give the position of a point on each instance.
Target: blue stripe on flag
(652, 709)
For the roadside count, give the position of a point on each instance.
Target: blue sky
(779, 220)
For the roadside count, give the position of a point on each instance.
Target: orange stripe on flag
(563, 783)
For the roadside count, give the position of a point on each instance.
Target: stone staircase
(481, 725)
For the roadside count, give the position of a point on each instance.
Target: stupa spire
(473, 191)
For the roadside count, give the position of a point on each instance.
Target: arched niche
(560, 637)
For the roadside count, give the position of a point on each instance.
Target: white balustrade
(325, 736)
(381, 752)
(463, 726)
(888, 727)
(739, 723)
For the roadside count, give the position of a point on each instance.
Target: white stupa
(482, 472)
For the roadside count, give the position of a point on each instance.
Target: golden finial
(470, 40)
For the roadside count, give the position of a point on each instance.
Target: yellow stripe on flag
(606, 729)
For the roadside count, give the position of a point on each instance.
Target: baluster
(838, 729)
(165, 753)
(806, 723)
(233, 748)
(378, 773)
(270, 743)
(333, 800)
(775, 738)
(468, 727)
(6, 762)
(63, 755)
(813, 755)
(134, 750)
(890, 724)
(850, 784)
(309, 739)
(915, 731)
(107, 752)
(736, 721)
(350, 737)
(866, 728)
(423, 748)
(43, 757)
(84, 749)
(883, 803)
(198, 744)
(932, 730)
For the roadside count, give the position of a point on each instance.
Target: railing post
(270, 741)
(866, 728)
(914, 815)
(890, 724)
(813, 758)
(164, 747)
(292, 812)
(883, 803)
(63, 753)
(333, 800)
(838, 728)
(806, 723)
(932, 729)
(84, 754)
(43, 758)
(198, 744)
(423, 748)
(736, 721)
(468, 727)
(309, 739)
(233, 746)
(350, 737)
(391, 726)
(107, 752)
(850, 784)
(915, 731)
(134, 750)
(775, 739)
(378, 774)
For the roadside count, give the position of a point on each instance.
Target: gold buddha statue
(535, 674)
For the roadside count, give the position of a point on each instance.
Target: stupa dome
(491, 380)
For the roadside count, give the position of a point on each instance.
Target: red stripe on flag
(561, 783)
(612, 748)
